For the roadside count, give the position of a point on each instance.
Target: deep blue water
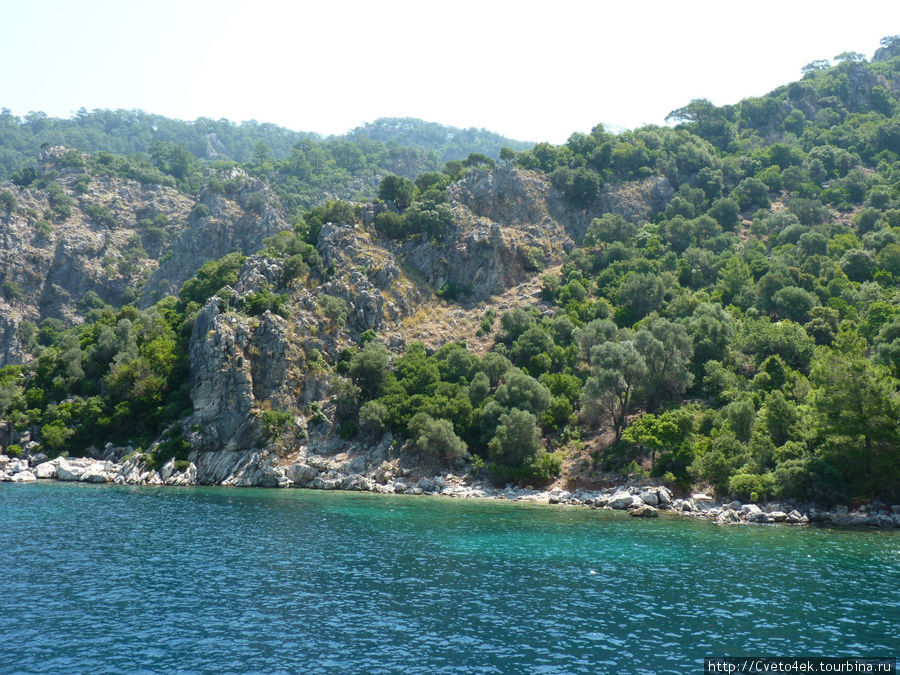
(110, 579)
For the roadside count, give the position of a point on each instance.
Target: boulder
(650, 498)
(778, 516)
(23, 477)
(167, 470)
(728, 516)
(46, 470)
(17, 465)
(95, 473)
(750, 509)
(645, 511)
(623, 500)
(68, 472)
(302, 473)
(664, 495)
(37, 458)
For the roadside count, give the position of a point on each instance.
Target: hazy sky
(530, 70)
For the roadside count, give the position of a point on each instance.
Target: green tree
(335, 310)
(435, 438)
(617, 369)
(396, 189)
(517, 439)
(855, 399)
(666, 349)
(369, 369)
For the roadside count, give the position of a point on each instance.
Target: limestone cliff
(119, 239)
(511, 223)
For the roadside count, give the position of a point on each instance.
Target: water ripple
(198, 580)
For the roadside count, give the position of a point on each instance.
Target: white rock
(649, 498)
(624, 500)
(46, 469)
(68, 472)
(95, 473)
(23, 477)
(167, 470)
(17, 465)
(664, 495)
(301, 473)
(778, 516)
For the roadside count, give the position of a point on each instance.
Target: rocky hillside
(77, 240)
(713, 304)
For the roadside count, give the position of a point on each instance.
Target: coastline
(265, 469)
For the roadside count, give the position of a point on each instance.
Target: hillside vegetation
(725, 312)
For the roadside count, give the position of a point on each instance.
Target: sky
(535, 71)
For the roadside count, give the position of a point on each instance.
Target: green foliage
(8, 202)
(210, 278)
(369, 369)
(275, 422)
(372, 418)
(174, 447)
(516, 440)
(435, 438)
(396, 189)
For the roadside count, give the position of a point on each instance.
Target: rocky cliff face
(239, 222)
(508, 223)
(511, 223)
(49, 262)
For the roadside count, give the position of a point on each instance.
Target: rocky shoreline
(265, 469)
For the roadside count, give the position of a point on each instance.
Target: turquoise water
(110, 579)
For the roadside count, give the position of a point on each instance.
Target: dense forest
(746, 336)
(405, 146)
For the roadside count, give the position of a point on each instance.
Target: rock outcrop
(49, 261)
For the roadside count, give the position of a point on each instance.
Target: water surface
(100, 578)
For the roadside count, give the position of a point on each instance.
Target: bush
(517, 439)
(8, 201)
(435, 438)
(14, 450)
(275, 422)
(335, 310)
(372, 416)
(543, 467)
(746, 485)
(172, 448)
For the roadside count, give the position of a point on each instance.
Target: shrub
(372, 416)
(8, 201)
(174, 447)
(745, 485)
(517, 439)
(435, 438)
(275, 422)
(14, 450)
(335, 310)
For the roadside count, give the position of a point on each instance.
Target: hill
(718, 306)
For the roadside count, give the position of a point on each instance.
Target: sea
(105, 579)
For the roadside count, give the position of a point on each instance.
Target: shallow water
(100, 578)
